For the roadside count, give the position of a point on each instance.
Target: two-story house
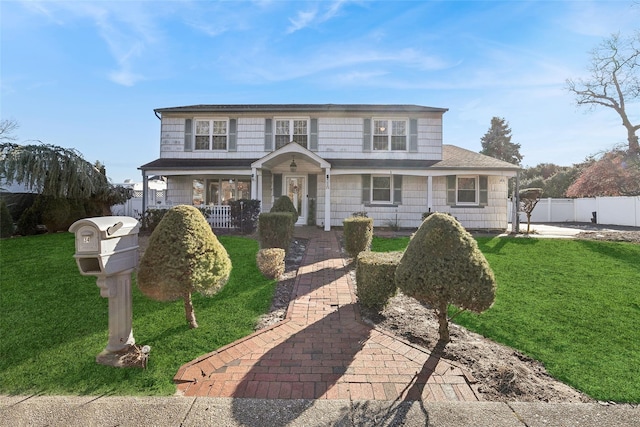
(332, 160)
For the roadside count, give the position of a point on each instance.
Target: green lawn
(572, 304)
(54, 322)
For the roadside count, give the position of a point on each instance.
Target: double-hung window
(389, 135)
(287, 130)
(467, 190)
(382, 189)
(211, 134)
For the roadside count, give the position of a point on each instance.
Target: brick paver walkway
(322, 350)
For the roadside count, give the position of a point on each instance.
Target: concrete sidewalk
(226, 412)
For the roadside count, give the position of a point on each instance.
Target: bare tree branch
(614, 80)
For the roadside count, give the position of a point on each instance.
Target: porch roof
(170, 164)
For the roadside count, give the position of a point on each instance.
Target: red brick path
(322, 350)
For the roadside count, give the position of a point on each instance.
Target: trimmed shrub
(56, 213)
(150, 219)
(284, 204)
(6, 221)
(270, 261)
(442, 265)
(358, 234)
(275, 230)
(375, 277)
(29, 221)
(311, 217)
(244, 214)
(183, 256)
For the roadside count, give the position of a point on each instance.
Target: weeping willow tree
(59, 174)
(51, 171)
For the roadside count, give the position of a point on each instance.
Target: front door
(295, 188)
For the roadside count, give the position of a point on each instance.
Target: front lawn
(54, 322)
(572, 304)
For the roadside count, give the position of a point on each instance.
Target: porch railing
(218, 216)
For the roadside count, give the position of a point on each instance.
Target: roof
(457, 158)
(454, 158)
(301, 108)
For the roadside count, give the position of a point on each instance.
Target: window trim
(211, 135)
(389, 135)
(372, 189)
(476, 201)
(482, 191)
(291, 135)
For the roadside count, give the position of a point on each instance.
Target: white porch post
(429, 193)
(254, 189)
(327, 200)
(259, 187)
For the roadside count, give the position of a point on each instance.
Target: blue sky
(88, 74)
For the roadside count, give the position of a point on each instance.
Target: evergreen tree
(497, 142)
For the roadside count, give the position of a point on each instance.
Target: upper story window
(389, 135)
(211, 134)
(288, 130)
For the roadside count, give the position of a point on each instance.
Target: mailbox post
(107, 247)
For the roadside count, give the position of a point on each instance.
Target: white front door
(295, 188)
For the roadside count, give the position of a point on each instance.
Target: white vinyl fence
(605, 210)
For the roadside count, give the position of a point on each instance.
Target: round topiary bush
(270, 261)
(183, 256)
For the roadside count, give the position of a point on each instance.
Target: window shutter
(413, 135)
(397, 189)
(313, 138)
(451, 190)
(484, 190)
(277, 185)
(188, 135)
(366, 135)
(233, 135)
(366, 188)
(268, 135)
(312, 191)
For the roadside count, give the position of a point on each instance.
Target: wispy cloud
(128, 29)
(315, 15)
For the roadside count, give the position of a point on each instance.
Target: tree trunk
(188, 311)
(443, 322)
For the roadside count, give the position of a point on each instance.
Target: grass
(573, 305)
(53, 321)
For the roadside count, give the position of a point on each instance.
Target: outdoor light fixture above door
(293, 167)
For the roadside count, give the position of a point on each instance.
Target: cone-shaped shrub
(442, 265)
(183, 256)
(284, 204)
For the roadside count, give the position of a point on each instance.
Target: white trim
(476, 179)
(390, 121)
(210, 119)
